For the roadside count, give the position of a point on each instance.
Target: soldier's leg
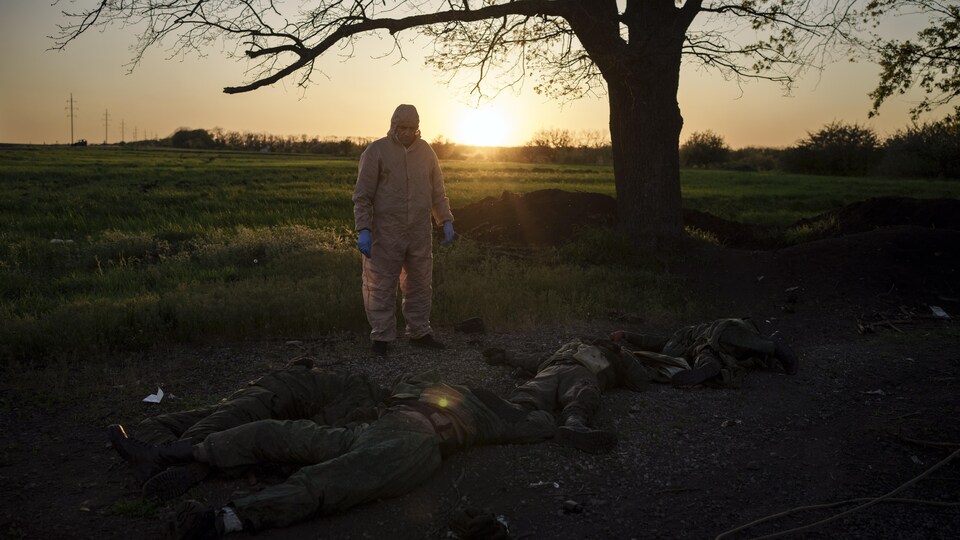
(165, 428)
(357, 398)
(244, 406)
(540, 392)
(704, 366)
(281, 441)
(579, 396)
(578, 393)
(388, 459)
(148, 459)
(526, 363)
(645, 342)
(744, 341)
(325, 396)
(275, 441)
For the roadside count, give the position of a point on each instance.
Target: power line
(71, 108)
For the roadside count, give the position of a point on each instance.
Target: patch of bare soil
(552, 216)
(873, 409)
(544, 217)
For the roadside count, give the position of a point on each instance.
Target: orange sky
(356, 97)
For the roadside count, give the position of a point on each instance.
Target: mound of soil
(538, 218)
(889, 212)
(551, 217)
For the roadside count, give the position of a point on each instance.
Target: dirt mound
(731, 233)
(888, 212)
(551, 217)
(539, 218)
(873, 270)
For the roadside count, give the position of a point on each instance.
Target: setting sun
(483, 127)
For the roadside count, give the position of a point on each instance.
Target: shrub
(197, 139)
(754, 159)
(704, 149)
(836, 149)
(930, 150)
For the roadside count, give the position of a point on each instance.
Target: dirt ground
(873, 408)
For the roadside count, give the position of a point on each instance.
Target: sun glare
(483, 127)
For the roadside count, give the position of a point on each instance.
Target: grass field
(115, 249)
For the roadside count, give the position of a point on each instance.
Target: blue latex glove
(365, 242)
(447, 233)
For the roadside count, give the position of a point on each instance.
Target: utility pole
(121, 131)
(106, 124)
(134, 133)
(71, 108)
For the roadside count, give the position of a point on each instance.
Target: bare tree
(631, 50)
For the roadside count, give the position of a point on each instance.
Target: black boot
(575, 433)
(148, 460)
(691, 377)
(175, 481)
(788, 359)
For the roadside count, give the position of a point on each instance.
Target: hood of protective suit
(403, 113)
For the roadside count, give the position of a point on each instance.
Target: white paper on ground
(154, 398)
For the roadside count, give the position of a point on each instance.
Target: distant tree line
(929, 150)
(546, 146)
(218, 139)
(586, 147)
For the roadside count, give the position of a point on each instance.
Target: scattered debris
(544, 483)
(473, 325)
(572, 507)
(939, 312)
(154, 398)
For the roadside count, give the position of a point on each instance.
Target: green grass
(122, 249)
(781, 199)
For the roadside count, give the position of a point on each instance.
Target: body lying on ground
(572, 379)
(716, 352)
(299, 392)
(342, 466)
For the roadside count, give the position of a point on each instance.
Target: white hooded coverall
(398, 188)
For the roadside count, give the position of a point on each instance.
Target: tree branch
(309, 54)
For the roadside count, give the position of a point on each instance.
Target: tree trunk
(642, 74)
(645, 126)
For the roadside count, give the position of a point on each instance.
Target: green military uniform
(734, 344)
(573, 378)
(354, 464)
(297, 392)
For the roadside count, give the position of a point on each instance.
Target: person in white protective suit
(399, 186)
